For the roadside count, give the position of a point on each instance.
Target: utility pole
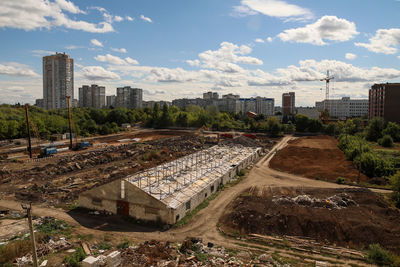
(69, 122)
(359, 164)
(29, 131)
(29, 213)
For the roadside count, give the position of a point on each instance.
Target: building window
(177, 218)
(205, 196)
(188, 205)
(96, 201)
(212, 188)
(122, 189)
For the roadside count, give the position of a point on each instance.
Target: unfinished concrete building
(166, 193)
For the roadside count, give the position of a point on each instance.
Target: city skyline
(181, 50)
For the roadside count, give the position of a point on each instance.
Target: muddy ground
(351, 217)
(315, 157)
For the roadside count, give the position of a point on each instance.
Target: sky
(182, 48)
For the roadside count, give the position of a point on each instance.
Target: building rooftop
(176, 182)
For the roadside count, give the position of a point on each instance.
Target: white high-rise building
(345, 107)
(58, 80)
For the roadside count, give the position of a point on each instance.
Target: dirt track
(204, 224)
(316, 157)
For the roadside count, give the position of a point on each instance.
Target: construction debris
(338, 201)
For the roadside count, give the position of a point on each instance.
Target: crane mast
(327, 79)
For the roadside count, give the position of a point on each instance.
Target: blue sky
(175, 49)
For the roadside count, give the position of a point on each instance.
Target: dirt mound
(315, 157)
(346, 217)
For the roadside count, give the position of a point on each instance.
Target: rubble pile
(192, 252)
(338, 201)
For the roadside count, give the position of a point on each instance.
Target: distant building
(288, 104)
(58, 80)
(129, 97)
(210, 95)
(150, 104)
(39, 103)
(75, 103)
(110, 100)
(344, 108)
(259, 105)
(310, 112)
(384, 101)
(184, 102)
(93, 96)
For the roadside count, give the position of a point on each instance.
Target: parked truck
(82, 145)
(47, 152)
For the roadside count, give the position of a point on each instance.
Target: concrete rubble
(338, 201)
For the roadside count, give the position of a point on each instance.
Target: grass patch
(382, 257)
(75, 259)
(203, 257)
(13, 250)
(88, 237)
(52, 226)
(104, 245)
(124, 244)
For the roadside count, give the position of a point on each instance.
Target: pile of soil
(315, 157)
(363, 218)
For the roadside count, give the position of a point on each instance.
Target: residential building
(344, 107)
(384, 101)
(150, 104)
(58, 80)
(129, 97)
(39, 103)
(310, 112)
(288, 104)
(265, 106)
(210, 95)
(93, 96)
(110, 100)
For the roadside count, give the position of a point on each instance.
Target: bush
(395, 184)
(75, 259)
(124, 245)
(375, 128)
(340, 180)
(386, 141)
(380, 256)
(242, 172)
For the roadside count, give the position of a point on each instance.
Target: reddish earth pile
(346, 217)
(315, 157)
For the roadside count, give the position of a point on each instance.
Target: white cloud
(110, 59)
(131, 61)
(119, 50)
(118, 18)
(350, 56)
(329, 28)
(41, 53)
(259, 40)
(98, 73)
(16, 69)
(273, 8)
(71, 47)
(114, 60)
(193, 63)
(129, 18)
(37, 14)
(385, 41)
(398, 57)
(146, 18)
(96, 42)
(225, 58)
(270, 39)
(69, 6)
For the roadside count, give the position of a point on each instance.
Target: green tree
(182, 119)
(274, 128)
(386, 141)
(301, 123)
(392, 129)
(374, 129)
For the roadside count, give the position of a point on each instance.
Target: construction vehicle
(82, 145)
(47, 152)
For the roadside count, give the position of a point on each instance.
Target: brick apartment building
(384, 101)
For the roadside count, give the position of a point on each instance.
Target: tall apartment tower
(384, 101)
(128, 97)
(93, 96)
(288, 103)
(58, 80)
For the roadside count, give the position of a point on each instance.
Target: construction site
(150, 187)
